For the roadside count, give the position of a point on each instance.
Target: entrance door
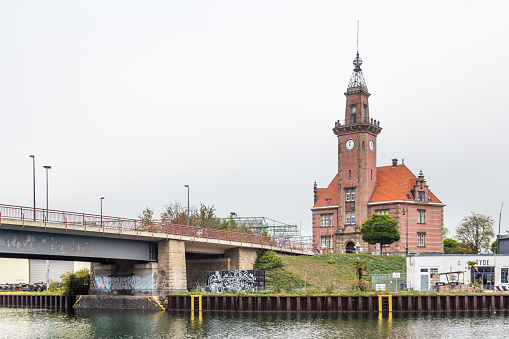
(424, 279)
(350, 247)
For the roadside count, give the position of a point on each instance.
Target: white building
(491, 269)
(33, 271)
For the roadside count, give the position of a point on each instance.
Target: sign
(377, 251)
(454, 283)
(396, 275)
(380, 287)
(440, 283)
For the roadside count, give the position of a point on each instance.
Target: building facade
(360, 188)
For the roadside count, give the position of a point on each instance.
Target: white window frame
(350, 218)
(350, 194)
(507, 275)
(326, 241)
(421, 216)
(421, 239)
(382, 212)
(326, 219)
(420, 196)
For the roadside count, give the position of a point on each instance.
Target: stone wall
(171, 269)
(197, 270)
(118, 302)
(241, 258)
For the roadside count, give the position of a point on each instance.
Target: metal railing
(92, 221)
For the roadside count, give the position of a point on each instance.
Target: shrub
(285, 281)
(54, 286)
(74, 283)
(331, 261)
(266, 260)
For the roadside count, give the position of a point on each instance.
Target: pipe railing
(92, 221)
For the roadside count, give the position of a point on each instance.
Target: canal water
(41, 323)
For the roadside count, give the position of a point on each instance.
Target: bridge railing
(89, 221)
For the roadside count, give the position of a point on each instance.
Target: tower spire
(357, 78)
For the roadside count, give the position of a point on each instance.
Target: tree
(380, 228)
(493, 247)
(477, 231)
(451, 246)
(147, 217)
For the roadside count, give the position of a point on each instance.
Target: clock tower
(357, 175)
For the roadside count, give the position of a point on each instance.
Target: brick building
(361, 189)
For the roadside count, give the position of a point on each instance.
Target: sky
(132, 100)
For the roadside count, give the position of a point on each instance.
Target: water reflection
(39, 323)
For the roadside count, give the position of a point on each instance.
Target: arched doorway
(350, 247)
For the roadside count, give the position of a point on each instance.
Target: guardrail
(122, 224)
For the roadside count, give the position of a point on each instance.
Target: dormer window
(420, 196)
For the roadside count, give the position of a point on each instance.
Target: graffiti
(239, 281)
(129, 282)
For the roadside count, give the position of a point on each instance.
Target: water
(41, 323)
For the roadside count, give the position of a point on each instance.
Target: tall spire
(357, 79)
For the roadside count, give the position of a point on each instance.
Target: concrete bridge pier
(167, 275)
(172, 273)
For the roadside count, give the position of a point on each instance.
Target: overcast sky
(131, 100)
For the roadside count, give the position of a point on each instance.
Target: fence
(123, 224)
(391, 282)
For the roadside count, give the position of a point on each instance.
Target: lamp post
(33, 174)
(327, 223)
(102, 198)
(499, 220)
(47, 204)
(187, 204)
(47, 168)
(405, 211)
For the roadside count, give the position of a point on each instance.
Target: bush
(74, 283)
(267, 260)
(285, 281)
(54, 286)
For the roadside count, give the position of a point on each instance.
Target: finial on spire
(357, 79)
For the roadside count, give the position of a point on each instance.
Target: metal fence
(392, 282)
(88, 221)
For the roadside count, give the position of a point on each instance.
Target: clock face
(371, 145)
(349, 144)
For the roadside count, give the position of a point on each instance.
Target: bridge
(174, 257)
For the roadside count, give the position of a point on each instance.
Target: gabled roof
(330, 192)
(394, 183)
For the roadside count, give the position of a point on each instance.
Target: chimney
(394, 163)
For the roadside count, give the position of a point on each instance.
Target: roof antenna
(357, 36)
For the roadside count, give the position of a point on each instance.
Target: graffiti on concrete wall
(239, 281)
(129, 282)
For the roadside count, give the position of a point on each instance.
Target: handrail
(91, 221)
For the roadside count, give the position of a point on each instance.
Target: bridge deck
(198, 239)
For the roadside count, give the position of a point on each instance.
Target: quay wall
(36, 301)
(340, 303)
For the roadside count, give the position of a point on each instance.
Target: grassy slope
(319, 274)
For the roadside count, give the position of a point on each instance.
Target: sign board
(396, 275)
(377, 251)
(454, 283)
(380, 287)
(440, 283)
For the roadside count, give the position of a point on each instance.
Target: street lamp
(47, 168)
(499, 220)
(102, 198)
(33, 173)
(405, 211)
(327, 224)
(187, 204)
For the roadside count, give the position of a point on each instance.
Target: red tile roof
(330, 192)
(394, 183)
